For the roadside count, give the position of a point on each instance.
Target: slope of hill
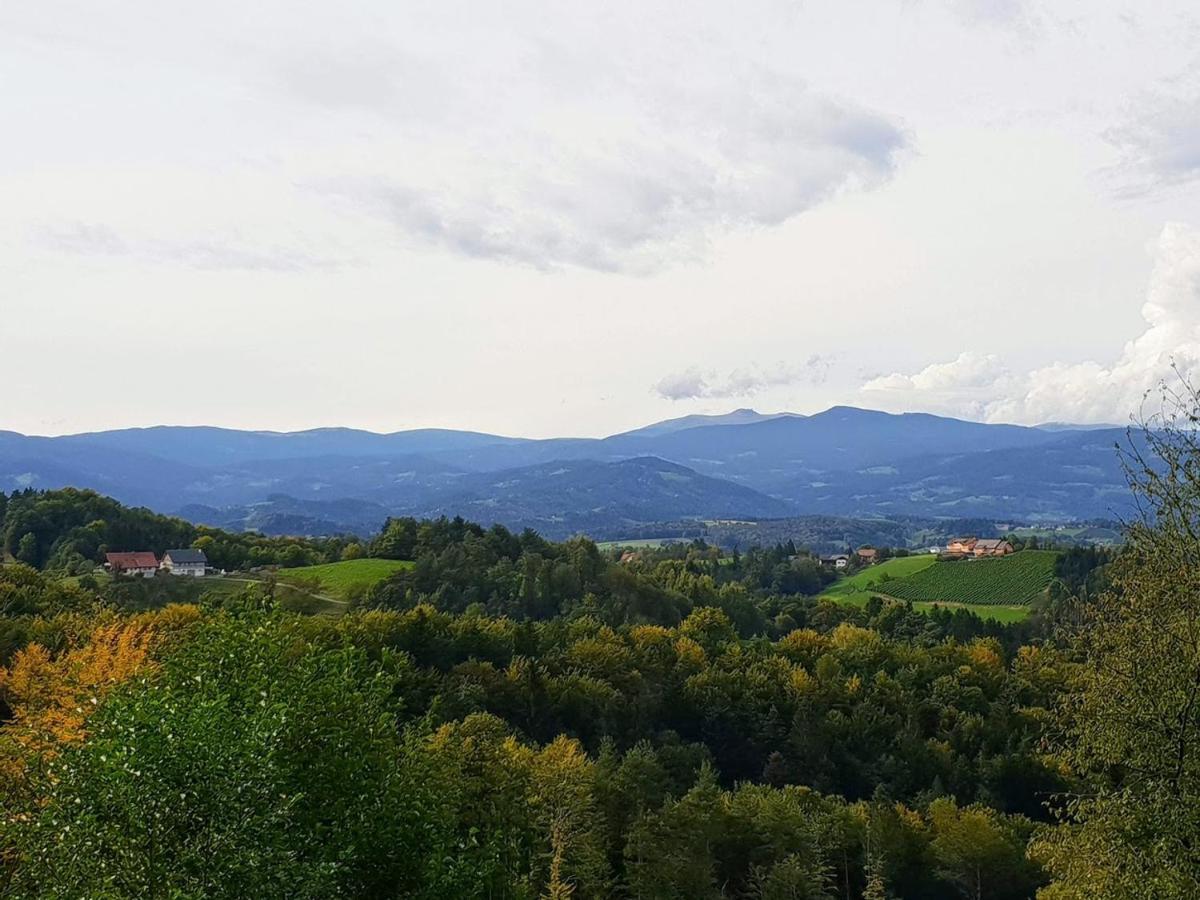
(280, 514)
(1075, 475)
(1013, 580)
(566, 497)
(343, 580)
(737, 417)
(860, 586)
(767, 455)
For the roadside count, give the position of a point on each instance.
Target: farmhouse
(867, 555)
(185, 562)
(990, 547)
(977, 547)
(138, 563)
(838, 561)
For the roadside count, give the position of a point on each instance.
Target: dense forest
(69, 531)
(511, 717)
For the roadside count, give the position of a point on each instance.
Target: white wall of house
(193, 570)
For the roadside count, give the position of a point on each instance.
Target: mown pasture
(343, 580)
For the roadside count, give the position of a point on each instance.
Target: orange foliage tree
(51, 697)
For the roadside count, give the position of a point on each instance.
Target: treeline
(70, 530)
(461, 567)
(423, 754)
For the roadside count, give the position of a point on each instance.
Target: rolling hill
(567, 497)
(841, 462)
(1075, 475)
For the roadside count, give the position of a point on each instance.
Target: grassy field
(342, 580)
(1015, 580)
(1004, 614)
(100, 578)
(901, 567)
(857, 589)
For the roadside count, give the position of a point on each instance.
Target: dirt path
(324, 598)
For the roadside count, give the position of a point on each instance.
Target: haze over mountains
(844, 461)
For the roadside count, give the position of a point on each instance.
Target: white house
(185, 562)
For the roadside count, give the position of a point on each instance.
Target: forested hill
(844, 461)
(69, 531)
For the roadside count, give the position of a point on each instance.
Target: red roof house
(137, 563)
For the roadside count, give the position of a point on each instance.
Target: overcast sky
(575, 218)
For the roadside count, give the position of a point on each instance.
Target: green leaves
(255, 764)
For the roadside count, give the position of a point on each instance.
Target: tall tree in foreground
(1132, 726)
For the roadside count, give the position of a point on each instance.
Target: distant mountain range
(844, 462)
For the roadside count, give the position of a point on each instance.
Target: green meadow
(343, 580)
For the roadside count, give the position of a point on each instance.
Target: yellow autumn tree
(51, 697)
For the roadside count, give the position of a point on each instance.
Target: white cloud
(687, 385)
(980, 386)
(966, 385)
(569, 136)
(695, 383)
(1159, 138)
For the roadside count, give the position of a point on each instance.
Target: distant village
(956, 548)
(191, 563)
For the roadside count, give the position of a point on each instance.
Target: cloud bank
(981, 387)
(694, 383)
(574, 135)
(614, 136)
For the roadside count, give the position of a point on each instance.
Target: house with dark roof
(185, 562)
(142, 563)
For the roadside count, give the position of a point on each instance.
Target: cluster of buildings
(192, 563)
(958, 548)
(864, 556)
(976, 547)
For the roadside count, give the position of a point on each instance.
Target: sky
(551, 219)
